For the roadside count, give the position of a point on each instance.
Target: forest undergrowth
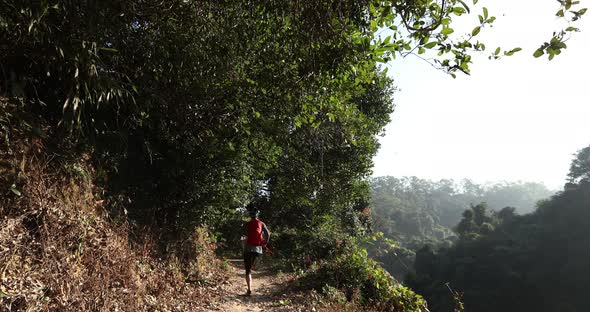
(61, 249)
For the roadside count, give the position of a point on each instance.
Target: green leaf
(387, 39)
(421, 50)
(112, 50)
(447, 31)
(3, 295)
(331, 116)
(480, 46)
(475, 31)
(430, 45)
(285, 302)
(497, 51)
(424, 40)
(559, 13)
(14, 190)
(458, 11)
(485, 13)
(511, 52)
(465, 6)
(538, 52)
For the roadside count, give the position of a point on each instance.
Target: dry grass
(59, 251)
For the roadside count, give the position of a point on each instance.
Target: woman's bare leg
(248, 281)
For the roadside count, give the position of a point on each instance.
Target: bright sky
(518, 118)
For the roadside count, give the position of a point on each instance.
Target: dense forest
(132, 133)
(510, 262)
(414, 212)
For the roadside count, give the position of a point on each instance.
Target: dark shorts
(249, 259)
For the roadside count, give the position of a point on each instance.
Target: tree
(580, 167)
(467, 224)
(189, 107)
(515, 260)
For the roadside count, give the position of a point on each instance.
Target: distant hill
(414, 212)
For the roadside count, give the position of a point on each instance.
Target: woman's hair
(253, 212)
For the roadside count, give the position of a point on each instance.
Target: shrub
(363, 281)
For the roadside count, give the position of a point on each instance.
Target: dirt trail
(269, 292)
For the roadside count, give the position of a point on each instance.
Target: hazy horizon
(514, 119)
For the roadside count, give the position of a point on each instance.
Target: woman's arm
(265, 232)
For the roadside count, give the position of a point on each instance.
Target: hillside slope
(65, 247)
(61, 250)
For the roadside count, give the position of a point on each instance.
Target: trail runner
(255, 239)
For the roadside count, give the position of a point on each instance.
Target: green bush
(300, 248)
(363, 281)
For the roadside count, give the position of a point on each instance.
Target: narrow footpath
(270, 292)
